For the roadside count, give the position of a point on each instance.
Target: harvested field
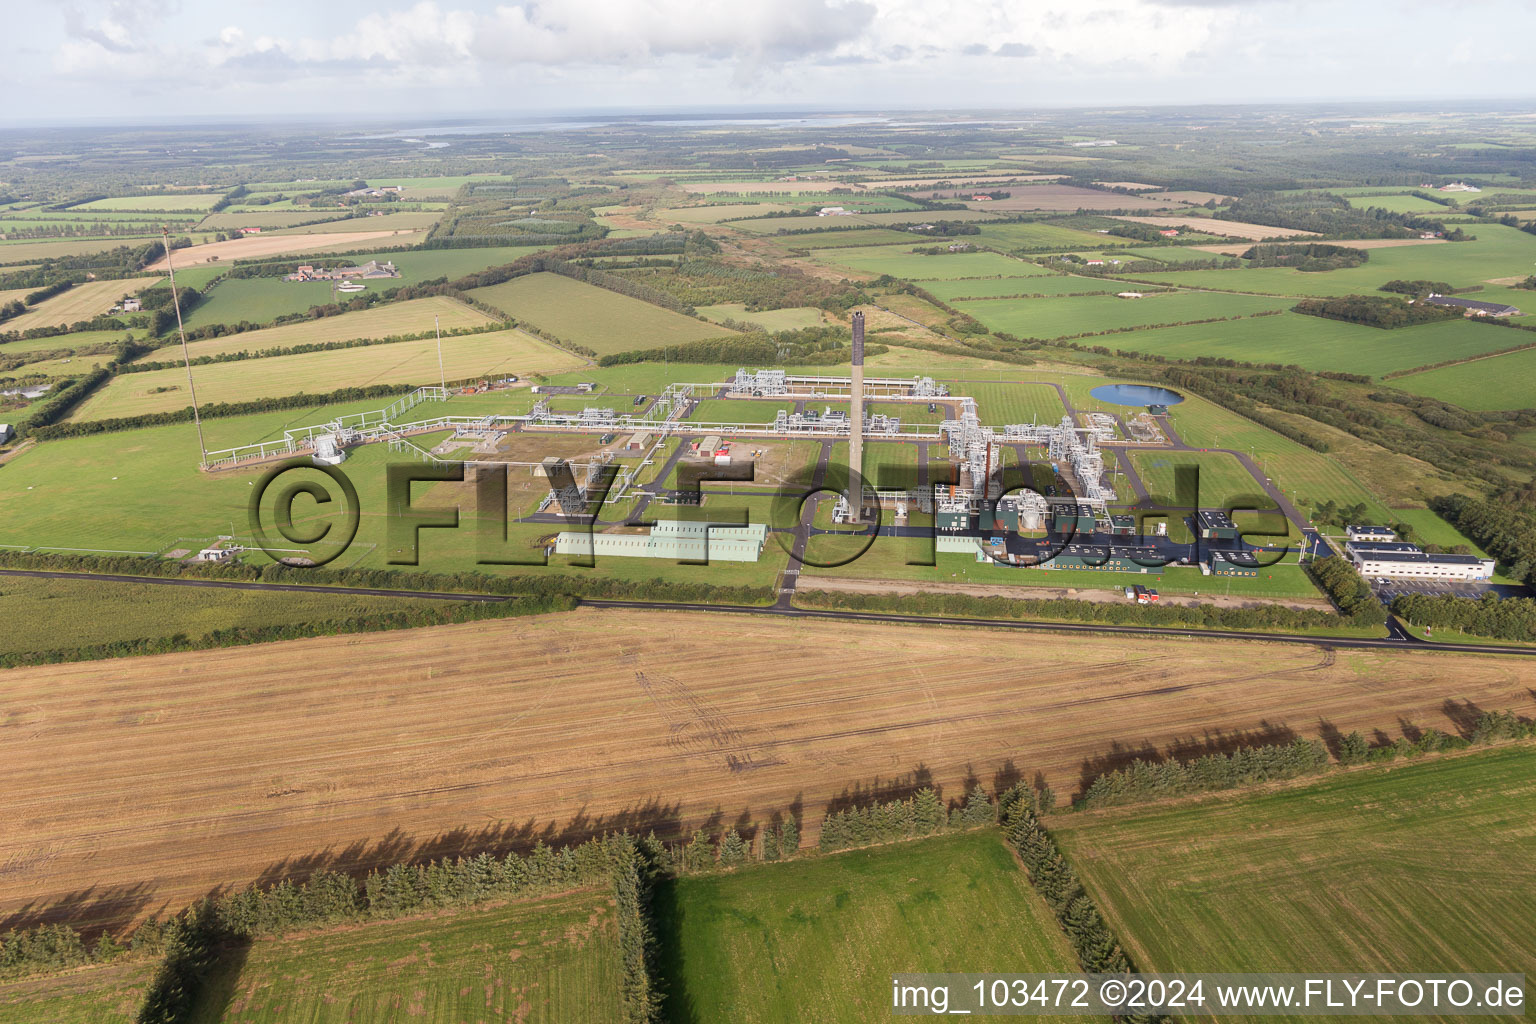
(218, 765)
(82, 302)
(405, 362)
(273, 245)
(414, 316)
(1212, 226)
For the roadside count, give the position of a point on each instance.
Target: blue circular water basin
(1136, 394)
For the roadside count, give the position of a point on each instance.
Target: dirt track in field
(139, 784)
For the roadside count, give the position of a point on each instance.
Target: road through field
(138, 784)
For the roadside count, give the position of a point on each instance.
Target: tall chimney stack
(856, 423)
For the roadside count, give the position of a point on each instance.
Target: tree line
(1510, 618)
(1118, 613)
(1375, 311)
(1348, 590)
(1504, 526)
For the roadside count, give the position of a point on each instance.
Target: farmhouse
(1459, 186)
(132, 305)
(370, 270)
(1169, 232)
(981, 197)
(5, 432)
(250, 231)
(1471, 307)
(1128, 295)
(833, 211)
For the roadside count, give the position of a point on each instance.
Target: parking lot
(1387, 589)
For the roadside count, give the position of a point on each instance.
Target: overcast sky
(146, 60)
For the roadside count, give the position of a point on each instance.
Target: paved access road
(1397, 640)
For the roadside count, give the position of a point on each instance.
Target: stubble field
(216, 766)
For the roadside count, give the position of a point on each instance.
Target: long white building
(1405, 561)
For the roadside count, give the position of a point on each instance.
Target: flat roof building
(1214, 524)
(1369, 533)
(1472, 307)
(678, 540)
(1406, 561)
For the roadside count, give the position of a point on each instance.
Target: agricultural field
(1400, 204)
(415, 316)
(917, 267)
(82, 302)
(391, 221)
(20, 251)
(261, 300)
(153, 203)
(1498, 382)
(1213, 226)
(834, 238)
(1497, 252)
(1005, 287)
(1033, 236)
(1051, 197)
(592, 317)
(1072, 315)
(277, 245)
(859, 219)
(768, 319)
(267, 219)
(462, 750)
(1422, 863)
(548, 961)
(1320, 344)
(817, 940)
(406, 362)
(108, 994)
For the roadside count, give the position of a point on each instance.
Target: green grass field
(1320, 344)
(1059, 317)
(1399, 204)
(260, 300)
(406, 362)
(833, 239)
(917, 267)
(1033, 236)
(415, 316)
(816, 940)
(1497, 251)
(790, 319)
(739, 410)
(1422, 866)
(109, 994)
(1002, 287)
(50, 614)
(592, 317)
(553, 961)
(1223, 479)
(1003, 403)
(1498, 382)
(166, 203)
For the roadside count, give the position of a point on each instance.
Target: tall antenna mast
(202, 449)
(442, 376)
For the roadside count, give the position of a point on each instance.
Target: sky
(142, 61)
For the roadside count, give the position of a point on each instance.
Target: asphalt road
(1399, 640)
